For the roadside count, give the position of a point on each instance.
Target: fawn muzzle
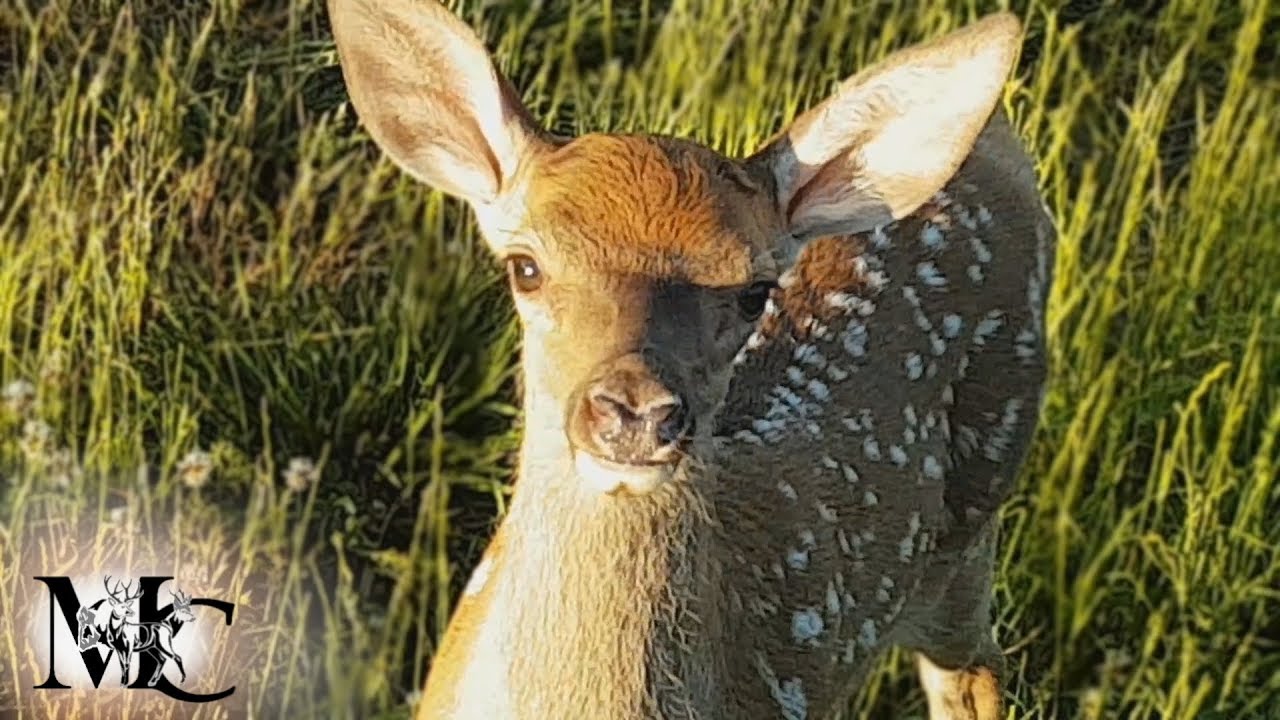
(631, 417)
(635, 433)
(629, 423)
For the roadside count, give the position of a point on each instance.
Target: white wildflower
(118, 515)
(53, 367)
(37, 438)
(195, 468)
(18, 396)
(300, 474)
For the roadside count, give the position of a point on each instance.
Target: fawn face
(639, 267)
(639, 263)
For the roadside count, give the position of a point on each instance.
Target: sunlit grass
(199, 250)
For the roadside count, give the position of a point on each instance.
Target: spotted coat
(899, 377)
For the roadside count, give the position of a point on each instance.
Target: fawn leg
(967, 693)
(959, 664)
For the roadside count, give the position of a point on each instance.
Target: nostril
(610, 408)
(673, 422)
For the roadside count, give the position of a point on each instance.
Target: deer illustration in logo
(111, 627)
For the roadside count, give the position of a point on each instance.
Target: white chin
(605, 477)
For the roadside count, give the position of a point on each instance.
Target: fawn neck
(572, 583)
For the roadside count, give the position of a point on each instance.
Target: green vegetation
(200, 250)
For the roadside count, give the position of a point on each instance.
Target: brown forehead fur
(655, 207)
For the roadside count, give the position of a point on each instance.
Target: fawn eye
(751, 301)
(525, 274)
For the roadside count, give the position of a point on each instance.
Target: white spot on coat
(906, 548)
(806, 625)
(854, 339)
(936, 344)
(795, 706)
(987, 327)
(930, 275)
(879, 239)
(796, 376)
(932, 468)
(898, 455)
(952, 325)
(871, 448)
(980, 251)
(789, 694)
(914, 365)
(850, 475)
(843, 541)
(798, 559)
(808, 354)
(932, 237)
(867, 634)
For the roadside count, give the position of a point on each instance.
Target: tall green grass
(199, 249)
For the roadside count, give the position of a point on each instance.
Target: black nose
(635, 421)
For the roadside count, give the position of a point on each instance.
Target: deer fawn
(772, 404)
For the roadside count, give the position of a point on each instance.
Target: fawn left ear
(429, 94)
(891, 136)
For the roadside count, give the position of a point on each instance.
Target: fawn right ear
(426, 89)
(892, 135)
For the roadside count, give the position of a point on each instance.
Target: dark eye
(752, 299)
(525, 274)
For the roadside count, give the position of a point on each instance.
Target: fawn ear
(426, 89)
(891, 136)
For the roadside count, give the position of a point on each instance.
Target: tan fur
(851, 446)
(964, 694)
(650, 206)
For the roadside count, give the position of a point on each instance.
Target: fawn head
(640, 264)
